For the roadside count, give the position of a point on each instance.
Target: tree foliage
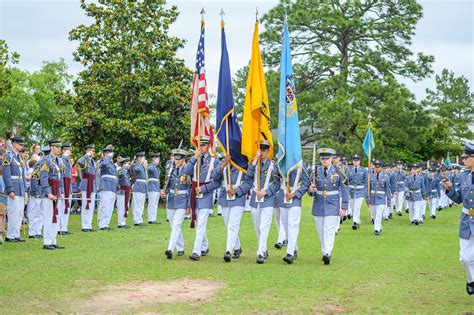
(6, 57)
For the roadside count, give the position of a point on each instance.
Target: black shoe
(295, 255)
(49, 247)
(91, 230)
(180, 253)
(103, 229)
(416, 222)
(266, 255)
(152, 222)
(32, 236)
(406, 210)
(194, 256)
(11, 240)
(58, 246)
(123, 226)
(39, 236)
(372, 221)
(355, 226)
(470, 288)
(260, 259)
(288, 259)
(390, 216)
(109, 228)
(344, 218)
(19, 240)
(169, 254)
(85, 230)
(219, 214)
(340, 221)
(227, 256)
(423, 216)
(326, 259)
(349, 216)
(386, 219)
(285, 242)
(278, 245)
(376, 232)
(68, 233)
(139, 224)
(205, 252)
(237, 253)
(433, 217)
(399, 214)
(450, 205)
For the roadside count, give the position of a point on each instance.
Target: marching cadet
(328, 189)
(464, 194)
(35, 213)
(87, 187)
(176, 190)
(108, 185)
(50, 180)
(387, 213)
(357, 177)
(139, 187)
(204, 192)
(426, 192)
(379, 197)
(153, 187)
(262, 198)
(13, 174)
(64, 204)
(282, 239)
(434, 191)
(398, 187)
(414, 188)
(123, 193)
(232, 198)
(337, 162)
(288, 198)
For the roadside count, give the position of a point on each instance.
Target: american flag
(199, 100)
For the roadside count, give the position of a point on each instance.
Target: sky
(38, 31)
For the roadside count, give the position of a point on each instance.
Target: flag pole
(370, 169)
(199, 121)
(222, 13)
(259, 132)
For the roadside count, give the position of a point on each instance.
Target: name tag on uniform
(199, 195)
(259, 199)
(229, 197)
(287, 200)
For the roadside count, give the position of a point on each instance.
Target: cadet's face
(326, 161)
(469, 162)
(204, 148)
(378, 169)
(55, 150)
(179, 162)
(356, 163)
(265, 154)
(156, 160)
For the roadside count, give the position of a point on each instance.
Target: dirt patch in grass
(127, 297)
(330, 309)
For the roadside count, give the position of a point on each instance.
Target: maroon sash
(90, 184)
(193, 202)
(126, 190)
(67, 193)
(54, 183)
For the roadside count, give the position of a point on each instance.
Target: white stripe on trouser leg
(153, 198)
(262, 222)
(138, 206)
(50, 229)
(35, 216)
(466, 255)
(232, 217)
(87, 215)
(15, 216)
(107, 199)
(326, 228)
(433, 206)
(121, 210)
(175, 218)
(356, 206)
(64, 217)
(378, 210)
(200, 243)
(291, 218)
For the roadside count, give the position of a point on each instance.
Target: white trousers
(35, 216)
(107, 201)
(399, 201)
(279, 225)
(15, 216)
(63, 217)
(138, 200)
(326, 226)
(153, 198)
(50, 229)
(175, 218)
(291, 218)
(247, 205)
(121, 210)
(201, 243)
(386, 212)
(414, 209)
(356, 205)
(423, 209)
(433, 206)
(378, 211)
(466, 256)
(262, 220)
(87, 215)
(232, 217)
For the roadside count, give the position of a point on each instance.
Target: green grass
(408, 268)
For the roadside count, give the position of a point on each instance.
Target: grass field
(408, 269)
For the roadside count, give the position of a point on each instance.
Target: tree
(134, 92)
(30, 107)
(6, 58)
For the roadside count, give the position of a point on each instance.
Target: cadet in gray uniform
(153, 187)
(434, 191)
(464, 194)
(123, 192)
(331, 198)
(139, 187)
(262, 199)
(108, 186)
(357, 177)
(204, 193)
(414, 188)
(64, 205)
(13, 175)
(379, 197)
(398, 187)
(35, 214)
(86, 165)
(177, 192)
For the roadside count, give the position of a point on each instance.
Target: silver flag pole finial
(222, 15)
(202, 13)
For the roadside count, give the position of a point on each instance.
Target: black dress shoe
(19, 240)
(39, 236)
(355, 226)
(349, 216)
(139, 224)
(237, 253)
(169, 254)
(433, 217)
(123, 226)
(68, 233)
(180, 253)
(11, 240)
(285, 242)
(372, 221)
(390, 216)
(31, 236)
(326, 259)
(344, 218)
(260, 259)
(450, 205)
(377, 232)
(49, 247)
(109, 228)
(399, 214)
(470, 288)
(103, 229)
(295, 255)
(416, 222)
(205, 252)
(288, 259)
(194, 256)
(58, 246)
(227, 256)
(151, 222)
(85, 230)
(266, 255)
(278, 245)
(386, 219)
(406, 210)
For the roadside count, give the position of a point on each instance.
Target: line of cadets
(336, 187)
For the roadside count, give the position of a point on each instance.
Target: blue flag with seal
(368, 145)
(289, 142)
(229, 134)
